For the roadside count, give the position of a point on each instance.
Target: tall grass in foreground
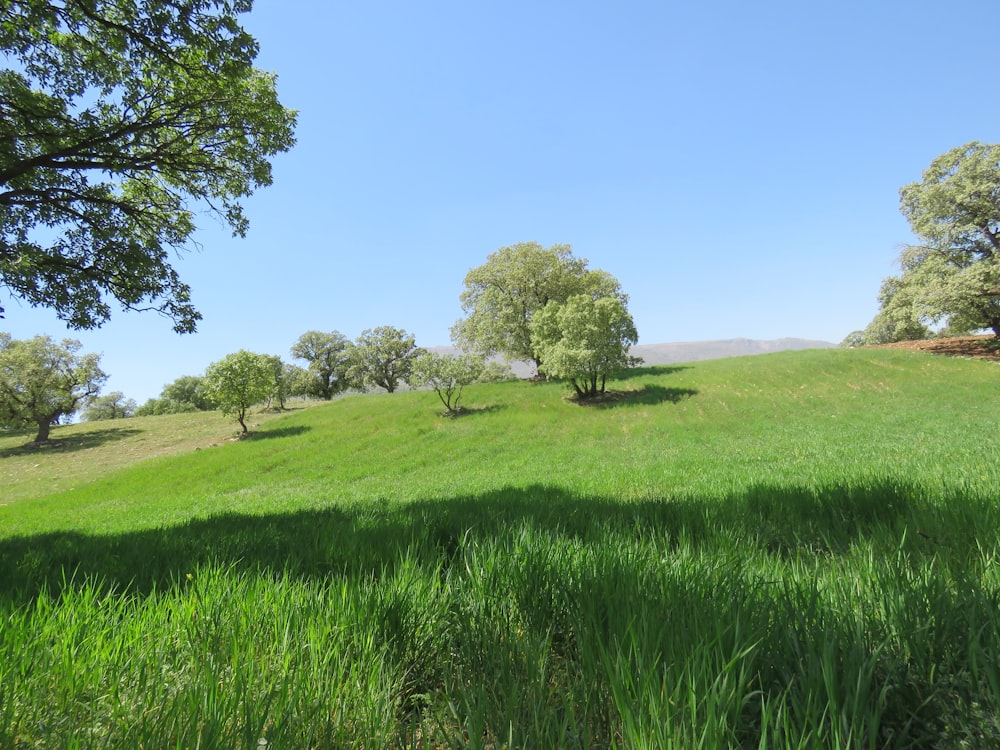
(819, 570)
(637, 635)
(661, 627)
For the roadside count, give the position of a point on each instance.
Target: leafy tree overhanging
(119, 119)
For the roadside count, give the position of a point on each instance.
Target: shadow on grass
(368, 540)
(68, 443)
(470, 411)
(641, 372)
(267, 433)
(648, 395)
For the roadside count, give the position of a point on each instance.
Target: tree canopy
(296, 381)
(328, 355)
(42, 380)
(119, 119)
(447, 375)
(383, 357)
(284, 381)
(502, 296)
(239, 381)
(190, 390)
(114, 405)
(186, 393)
(584, 340)
(951, 278)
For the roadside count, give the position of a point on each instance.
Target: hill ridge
(670, 353)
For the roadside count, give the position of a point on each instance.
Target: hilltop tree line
(527, 302)
(545, 306)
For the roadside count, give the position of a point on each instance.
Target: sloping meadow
(788, 550)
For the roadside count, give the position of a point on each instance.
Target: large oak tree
(502, 296)
(119, 120)
(329, 358)
(951, 277)
(42, 380)
(383, 357)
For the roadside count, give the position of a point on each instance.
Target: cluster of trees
(43, 381)
(950, 280)
(525, 303)
(544, 305)
(380, 357)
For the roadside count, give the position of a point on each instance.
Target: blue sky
(735, 165)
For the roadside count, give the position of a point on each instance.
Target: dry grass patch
(976, 347)
(81, 453)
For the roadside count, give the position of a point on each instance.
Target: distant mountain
(688, 351)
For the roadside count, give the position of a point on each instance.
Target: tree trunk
(539, 372)
(43, 431)
(993, 238)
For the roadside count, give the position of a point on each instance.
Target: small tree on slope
(239, 381)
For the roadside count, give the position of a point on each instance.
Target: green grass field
(793, 550)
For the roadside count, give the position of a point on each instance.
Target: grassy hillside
(689, 431)
(788, 550)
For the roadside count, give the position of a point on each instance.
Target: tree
(186, 393)
(280, 386)
(239, 381)
(298, 380)
(584, 340)
(897, 318)
(952, 277)
(495, 372)
(42, 381)
(382, 357)
(502, 295)
(853, 339)
(119, 119)
(112, 406)
(156, 406)
(329, 356)
(188, 389)
(447, 375)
